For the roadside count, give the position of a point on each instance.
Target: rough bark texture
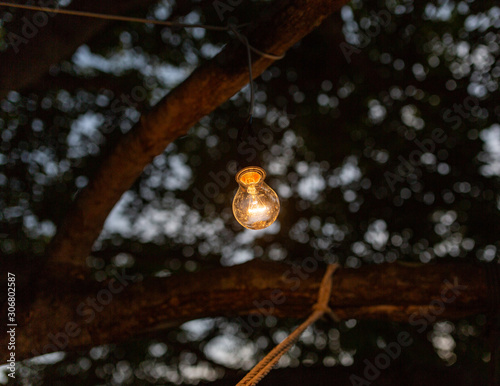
(208, 87)
(38, 48)
(124, 308)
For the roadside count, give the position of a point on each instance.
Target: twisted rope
(321, 307)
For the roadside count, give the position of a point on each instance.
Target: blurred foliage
(349, 109)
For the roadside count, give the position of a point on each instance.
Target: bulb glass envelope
(255, 205)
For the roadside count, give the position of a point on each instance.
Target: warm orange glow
(250, 178)
(255, 205)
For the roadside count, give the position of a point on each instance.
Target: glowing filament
(255, 205)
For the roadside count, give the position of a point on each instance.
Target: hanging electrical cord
(244, 40)
(248, 124)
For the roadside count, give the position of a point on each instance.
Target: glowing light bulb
(255, 205)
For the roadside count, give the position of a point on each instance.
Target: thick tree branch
(74, 314)
(208, 87)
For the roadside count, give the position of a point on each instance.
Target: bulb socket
(251, 175)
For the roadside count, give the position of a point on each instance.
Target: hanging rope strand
(269, 361)
(321, 307)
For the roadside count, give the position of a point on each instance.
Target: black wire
(248, 123)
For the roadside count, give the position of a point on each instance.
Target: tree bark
(76, 314)
(208, 87)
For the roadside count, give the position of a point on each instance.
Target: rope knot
(320, 308)
(325, 290)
